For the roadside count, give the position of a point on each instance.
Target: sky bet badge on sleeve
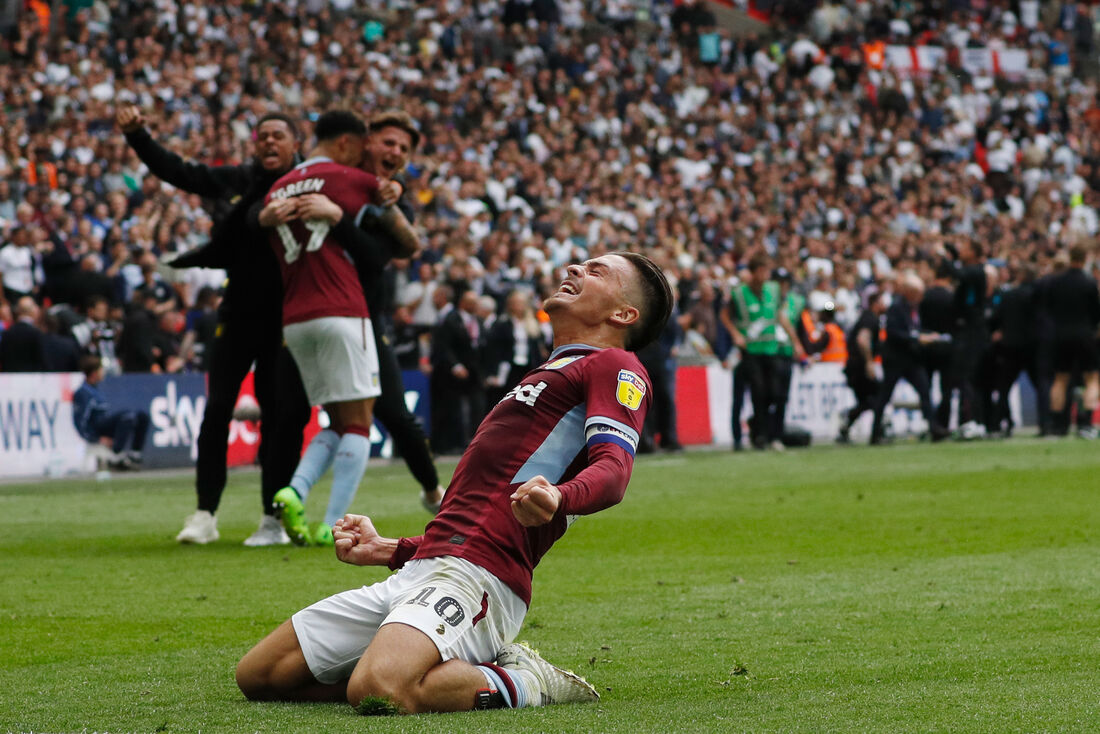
(631, 389)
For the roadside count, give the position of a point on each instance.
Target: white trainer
(551, 684)
(200, 528)
(971, 430)
(432, 507)
(270, 532)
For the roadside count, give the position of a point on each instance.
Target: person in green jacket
(758, 317)
(793, 303)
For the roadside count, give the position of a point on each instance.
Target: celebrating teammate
(437, 635)
(248, 320)
(391, 139)
(326, 323)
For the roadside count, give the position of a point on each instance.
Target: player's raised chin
(596, 291)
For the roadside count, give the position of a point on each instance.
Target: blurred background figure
(94, 419)
(514, 346)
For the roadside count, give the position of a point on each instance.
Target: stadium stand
(849, 141)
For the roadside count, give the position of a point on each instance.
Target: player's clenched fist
(535, 501)
(129, 118)
(358, 543)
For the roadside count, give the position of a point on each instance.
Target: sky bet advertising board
(38, 438)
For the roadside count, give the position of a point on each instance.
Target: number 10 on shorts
(448, 608)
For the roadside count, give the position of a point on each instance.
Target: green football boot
(322, 536)
(292, 513)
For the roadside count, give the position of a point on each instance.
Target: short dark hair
(1078, 255)
(94, 301)
(656, 302)
(89, 363)
(395, 118)
(281, 117)
(334, 123)
(759, 260)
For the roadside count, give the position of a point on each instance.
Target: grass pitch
(909, 588)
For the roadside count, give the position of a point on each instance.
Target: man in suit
(902, 355)
(937, 313)
(61, 351)
(457, 401)
(1073, 303)
(1015, 336)
(514, 346)
(970, 337)
(22, 348)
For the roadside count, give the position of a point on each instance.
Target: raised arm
(215, 182)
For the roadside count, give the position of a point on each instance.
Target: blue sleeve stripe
(608, 438)
(599, 419)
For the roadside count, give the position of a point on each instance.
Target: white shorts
(337, 358)
(466, 611)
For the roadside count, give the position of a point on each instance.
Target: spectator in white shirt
(20, 265)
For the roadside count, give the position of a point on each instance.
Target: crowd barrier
(37, 436)
(819, 396)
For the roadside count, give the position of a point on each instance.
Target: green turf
(909, 588)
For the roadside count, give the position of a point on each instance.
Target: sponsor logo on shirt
(557, 364)
(526, 394)
(630, 390)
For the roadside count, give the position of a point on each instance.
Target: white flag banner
(911, 60)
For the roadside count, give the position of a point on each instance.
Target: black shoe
(939, 433)
(672, 447)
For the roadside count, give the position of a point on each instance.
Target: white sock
(347, 471)
(315, 462)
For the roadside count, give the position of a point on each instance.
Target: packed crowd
(554, 130)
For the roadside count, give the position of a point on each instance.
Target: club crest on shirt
(557, 364)
(630, 390)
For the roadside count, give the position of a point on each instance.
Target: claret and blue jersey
(574, 420)
(319, 278)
